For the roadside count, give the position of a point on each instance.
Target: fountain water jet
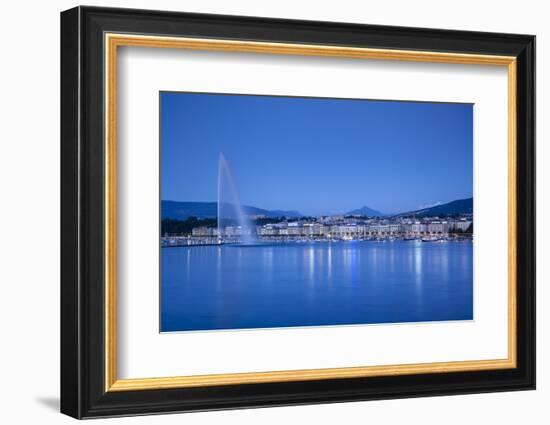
(230, 209)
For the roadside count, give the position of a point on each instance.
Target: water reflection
(315, 284)
(329, 263)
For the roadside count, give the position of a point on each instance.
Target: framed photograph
(261, 212)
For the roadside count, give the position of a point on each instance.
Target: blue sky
(317, 155)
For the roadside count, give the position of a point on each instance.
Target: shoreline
(321, 241)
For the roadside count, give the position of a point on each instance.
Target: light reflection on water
(228, 287)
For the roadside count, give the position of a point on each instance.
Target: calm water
(315, 284)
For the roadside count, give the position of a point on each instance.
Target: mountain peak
(364, 210)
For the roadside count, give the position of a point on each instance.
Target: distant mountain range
(183, 210)
(366, 211)
(460, 206)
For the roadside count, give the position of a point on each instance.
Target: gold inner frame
(113, 41)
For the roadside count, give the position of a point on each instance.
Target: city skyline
(317, 156)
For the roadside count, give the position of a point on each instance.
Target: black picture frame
(83, 392)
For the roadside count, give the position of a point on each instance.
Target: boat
(430, 239)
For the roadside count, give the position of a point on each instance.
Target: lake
(315, 284)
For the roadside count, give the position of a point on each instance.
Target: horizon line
(343, 213)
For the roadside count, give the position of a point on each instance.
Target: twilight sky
(317, 156)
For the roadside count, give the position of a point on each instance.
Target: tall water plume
(233, 224)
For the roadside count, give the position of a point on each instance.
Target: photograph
(280, 211)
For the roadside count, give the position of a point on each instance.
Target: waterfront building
(394, 228)
(268, 230)
(460, 225)
(348, 230)
(294, 230)
(204, 231)
(418, 228)
(283, 231)
(200, 231)
(438, 227)
(315, 229)
(379, 229)
(406, 228)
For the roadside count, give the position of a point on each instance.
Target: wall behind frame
(29, 225)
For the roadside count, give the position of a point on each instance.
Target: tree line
(172, 227)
